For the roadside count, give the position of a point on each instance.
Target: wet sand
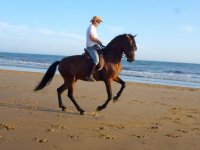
(146, 117)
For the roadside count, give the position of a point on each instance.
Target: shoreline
(146, 116)
(127, 82)
(141, 71)
(37, 70)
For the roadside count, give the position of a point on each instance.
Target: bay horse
(77, 67)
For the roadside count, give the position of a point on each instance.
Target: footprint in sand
(196, 130)
(155, 126)
(1, 137)
(114, 125)
(60, 126)
(50, 130)
(41, 140)
(156, 123)
(177, 108)
(138, 136)
(183, 131)
(107, 137)
(191, 116)
(7, 127)
(173, 135)
(102, 135)
(177, 120)
(196, 112)
(102, 128)
(73, 136)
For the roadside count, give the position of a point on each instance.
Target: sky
(167, 30)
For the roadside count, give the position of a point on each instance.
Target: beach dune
(146, 117)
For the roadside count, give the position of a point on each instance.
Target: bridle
(130, 49)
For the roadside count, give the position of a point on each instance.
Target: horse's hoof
(99, 108)
(63, 108)
(82, 112)
(115, 99)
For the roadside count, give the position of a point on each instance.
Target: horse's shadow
(35, 108)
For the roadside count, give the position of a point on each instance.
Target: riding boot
(90, 77)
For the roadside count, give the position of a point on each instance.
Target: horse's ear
(127, 35)
(135, 35)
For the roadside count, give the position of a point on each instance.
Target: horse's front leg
(118, 80)
(109, 92)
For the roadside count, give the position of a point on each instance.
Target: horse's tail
(47, 77)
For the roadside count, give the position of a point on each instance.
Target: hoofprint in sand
(145, 116)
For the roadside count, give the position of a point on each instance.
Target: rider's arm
(95, 40)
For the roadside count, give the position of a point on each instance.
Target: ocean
(154, 72)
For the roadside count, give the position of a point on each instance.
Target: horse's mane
(117, 38)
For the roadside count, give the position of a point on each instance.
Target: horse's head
(124, 43)
(129, 47)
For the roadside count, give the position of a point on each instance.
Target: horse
(77, 67)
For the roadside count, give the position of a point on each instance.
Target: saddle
(101, 57)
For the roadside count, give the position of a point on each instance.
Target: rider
(91, 43)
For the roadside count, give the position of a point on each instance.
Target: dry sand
(146, 117)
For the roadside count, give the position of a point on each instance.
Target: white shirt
(91, 31)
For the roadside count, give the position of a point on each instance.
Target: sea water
(155, 72)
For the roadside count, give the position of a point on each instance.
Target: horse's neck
(113, 55)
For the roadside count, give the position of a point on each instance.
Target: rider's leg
(90, 77)
(95, 57)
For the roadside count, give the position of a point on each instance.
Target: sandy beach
(146, 117)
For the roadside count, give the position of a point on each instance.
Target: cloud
(188, 28)
(39, 40)
(25, 29)
(50, 32)
(4, 26)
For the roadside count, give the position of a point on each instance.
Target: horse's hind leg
(70, 95)
(60, 90)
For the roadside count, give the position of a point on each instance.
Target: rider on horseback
(92, 44)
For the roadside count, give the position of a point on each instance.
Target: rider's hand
(99, 42)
